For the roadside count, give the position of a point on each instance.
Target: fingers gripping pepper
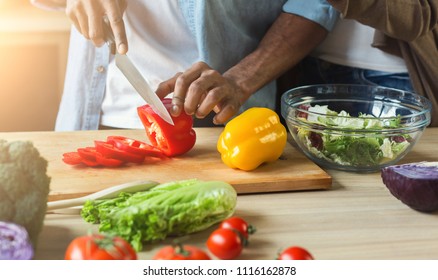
(254, 137)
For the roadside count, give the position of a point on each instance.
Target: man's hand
(200, 90)
(87, 16)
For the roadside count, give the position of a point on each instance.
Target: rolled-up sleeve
(318, 11)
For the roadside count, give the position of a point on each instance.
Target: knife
(135, 78)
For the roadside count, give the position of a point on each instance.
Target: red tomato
(172, 140)
(134, 146)
(225, 243)
(100, 247)
(108, 150)
(238, 224)
(181, 252)
(294, 253)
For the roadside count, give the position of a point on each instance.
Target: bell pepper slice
(108, 162)
(91, 157)
(88, 156)
(134, 146)
(172, 140)
(72, 158)
(88, 153)
(108, 150)
(254, 137)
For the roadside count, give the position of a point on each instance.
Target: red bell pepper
(72, 158)
(134, 146)
(172, 140)
(90, 157)
(108, 150)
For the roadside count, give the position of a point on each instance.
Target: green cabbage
(170, 209)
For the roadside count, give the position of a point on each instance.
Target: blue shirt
(225, 32)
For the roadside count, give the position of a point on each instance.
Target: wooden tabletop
(357, 218)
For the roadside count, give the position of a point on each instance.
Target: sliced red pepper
(108, 162)
(88, 156)
(172, 140)
(134, 146)
(72, 158)
(91, 157)
(108, 150)
(87, 153)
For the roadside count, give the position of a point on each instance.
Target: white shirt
(155, 49)
(224, 35)
(349, 44)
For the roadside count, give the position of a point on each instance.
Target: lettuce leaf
(349, 148)
(170, 209)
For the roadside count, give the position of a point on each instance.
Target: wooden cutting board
(292, 172)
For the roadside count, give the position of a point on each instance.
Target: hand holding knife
(135, 78)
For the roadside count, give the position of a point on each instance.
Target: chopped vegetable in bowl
(356, 128)
(350, 148)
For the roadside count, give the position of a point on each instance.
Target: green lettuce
(349, 148)
(170, 209)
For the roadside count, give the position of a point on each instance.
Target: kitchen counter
(357, 218)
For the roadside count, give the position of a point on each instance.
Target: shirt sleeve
(318, 11)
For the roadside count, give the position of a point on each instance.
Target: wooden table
(355, 219)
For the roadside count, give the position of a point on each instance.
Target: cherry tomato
(238, 224)
(134, 146)
(110, 151)
(181, 252)
(172, 140)
(225, 243)
(294, 253)
(99, 247)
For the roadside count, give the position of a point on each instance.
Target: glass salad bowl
(357, 128)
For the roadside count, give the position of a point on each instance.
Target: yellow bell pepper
(254, 137)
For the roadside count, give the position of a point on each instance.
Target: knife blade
(141, 86)
(135, 78)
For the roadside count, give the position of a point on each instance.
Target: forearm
(286, 43)
(49, 4)
(405, 20)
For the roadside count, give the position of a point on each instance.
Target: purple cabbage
(415, 184)
(14, 242)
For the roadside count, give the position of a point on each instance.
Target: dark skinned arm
(201, 89)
